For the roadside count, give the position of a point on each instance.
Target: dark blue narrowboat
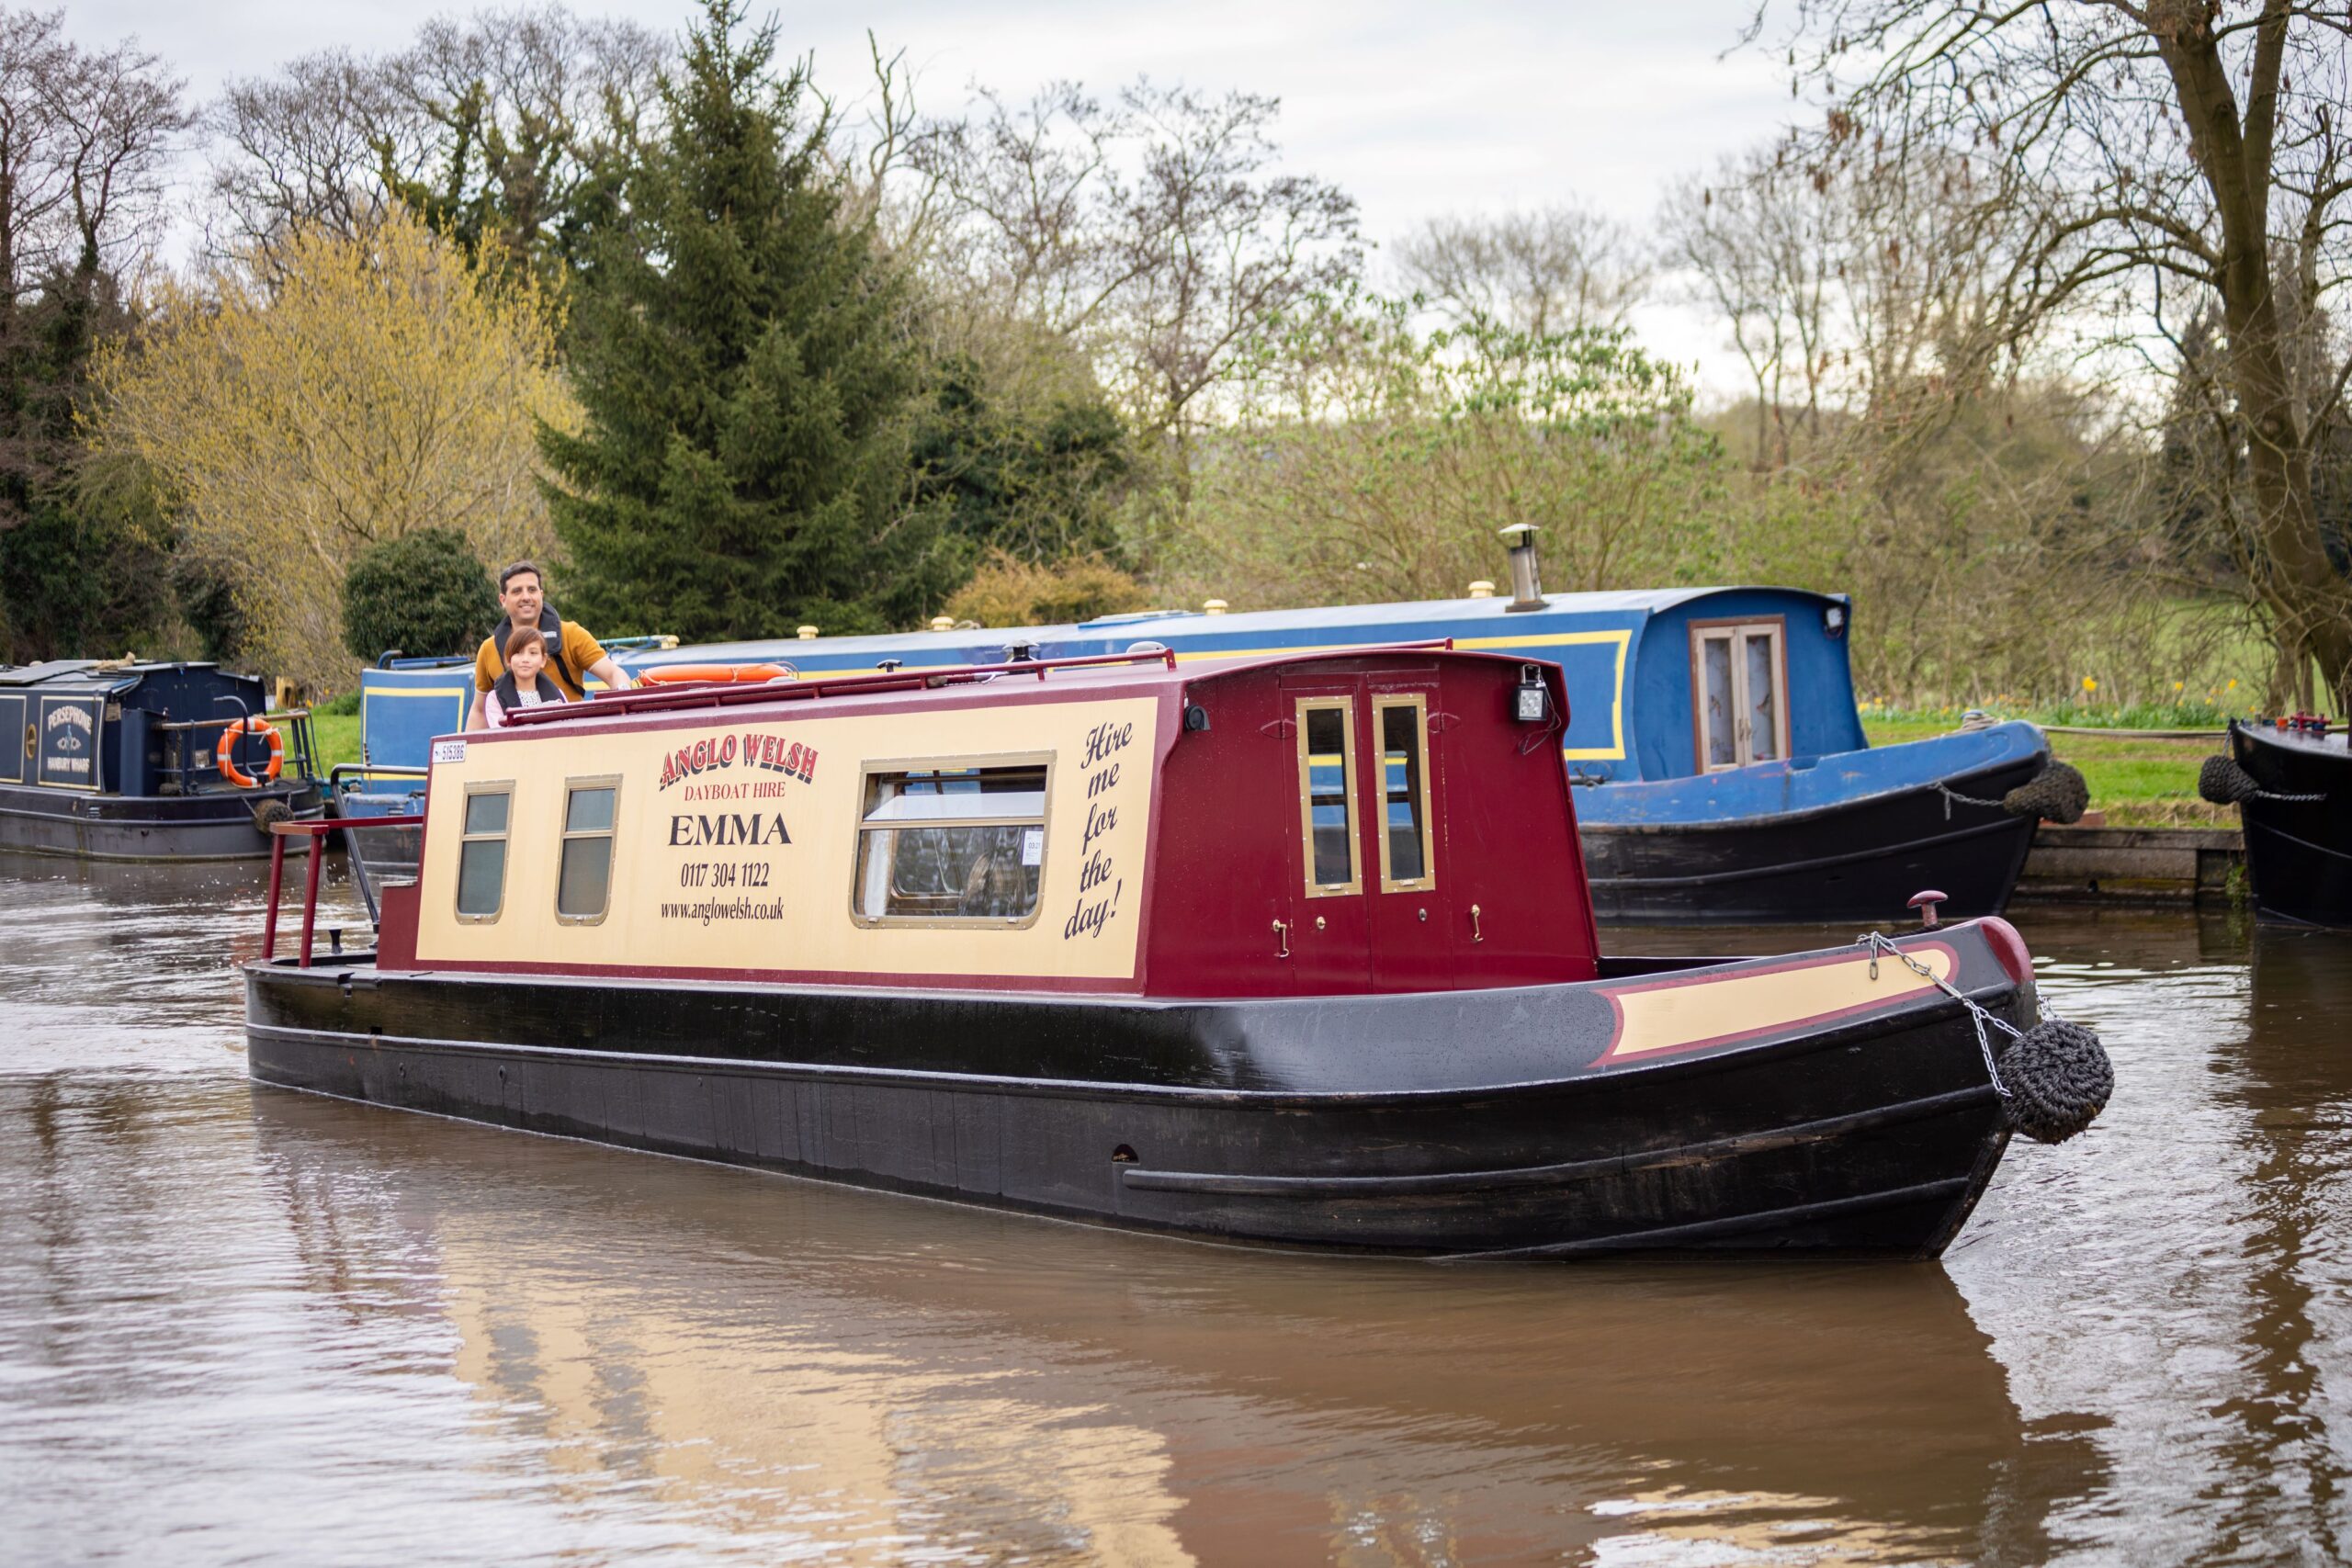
(125, 759)
(2291, 781)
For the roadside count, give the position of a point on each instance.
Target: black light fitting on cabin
(1531, 702)
(1526, 594)
(1832, 621)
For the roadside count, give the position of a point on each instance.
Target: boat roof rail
(667, 699)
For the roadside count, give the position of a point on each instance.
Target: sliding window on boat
(952, 842)
(1739, 692)
(1327, 795)
(482, 851)
(583, 881)
(1402, 723)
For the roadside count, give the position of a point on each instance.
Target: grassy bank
(2137, 782)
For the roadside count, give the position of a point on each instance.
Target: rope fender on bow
(2057, 794)
(2221, 781)
(2059, 1076)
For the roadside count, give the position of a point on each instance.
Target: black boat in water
(878, 929)
(123, 760)
(2292, 781)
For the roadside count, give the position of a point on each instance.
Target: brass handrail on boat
(315, 831)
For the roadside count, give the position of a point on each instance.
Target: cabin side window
(1406, 864)
(1327, 774)
(482, 851)
(952, 842)
(583, 882)
(1739, 692)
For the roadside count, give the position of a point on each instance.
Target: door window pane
(486, 813)
(1763, 699)
(1722, 705)
(1327, 762)
(1404, 794)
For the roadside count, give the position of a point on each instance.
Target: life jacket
(551, 634)
(510, 696)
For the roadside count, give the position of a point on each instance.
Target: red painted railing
(316, 832)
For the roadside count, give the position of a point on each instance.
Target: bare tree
(86, 138)
(1755, 243)
(307, 148)
(1155, 232)
(1543, 272)
(500, 128)
(2153, 155)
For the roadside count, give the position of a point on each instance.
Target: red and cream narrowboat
(1272, 950)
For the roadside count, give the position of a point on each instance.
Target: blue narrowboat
(1726, 775)
(126, 760)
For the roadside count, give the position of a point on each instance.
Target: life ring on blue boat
(667, 674)
(225, 754)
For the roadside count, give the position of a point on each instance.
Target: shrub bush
(1008, 592)
(425, 592)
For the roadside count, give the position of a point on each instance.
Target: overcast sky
(1415, 110)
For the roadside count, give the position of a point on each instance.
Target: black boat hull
(208, 826)
(1858, 860)
(1282, 1124)
(2298, 851)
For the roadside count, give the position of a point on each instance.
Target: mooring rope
(2060, 1077)
(1878, 943)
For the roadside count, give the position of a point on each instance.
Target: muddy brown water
(244, 1324)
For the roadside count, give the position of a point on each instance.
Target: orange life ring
(668, 674)
(225, 754)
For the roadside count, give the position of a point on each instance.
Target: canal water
(242, 1324)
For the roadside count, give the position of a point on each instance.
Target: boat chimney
(1525, 593)
(1020, 653)
(1482, 588)
(1213, 606)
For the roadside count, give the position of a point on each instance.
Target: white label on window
(450, 751)
(1032, 847)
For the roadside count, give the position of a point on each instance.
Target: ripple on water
(237, 1323)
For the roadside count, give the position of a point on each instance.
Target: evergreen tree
(742, 466)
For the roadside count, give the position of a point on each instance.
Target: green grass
(2136, 783)
(337, 735)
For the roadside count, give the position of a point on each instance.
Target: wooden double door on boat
(1371, 901)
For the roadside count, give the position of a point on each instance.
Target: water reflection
(785, 1362)
(239, 1323)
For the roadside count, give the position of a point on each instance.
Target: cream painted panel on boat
(783, 901)
(1684, 1014)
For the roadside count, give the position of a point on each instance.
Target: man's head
(520, 595)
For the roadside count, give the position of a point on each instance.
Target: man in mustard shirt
(572, 654)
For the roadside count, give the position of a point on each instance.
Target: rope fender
(2059, 1076)
(2224, 783)
(2057, 794)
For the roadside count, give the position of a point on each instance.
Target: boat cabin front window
(1403, 723)
(583, 884)
(482, 851)
(1327, 772)
(1739, 692)
(952, 842)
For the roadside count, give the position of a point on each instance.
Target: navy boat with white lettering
(122, 760)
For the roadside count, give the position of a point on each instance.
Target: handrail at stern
(316, 832)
